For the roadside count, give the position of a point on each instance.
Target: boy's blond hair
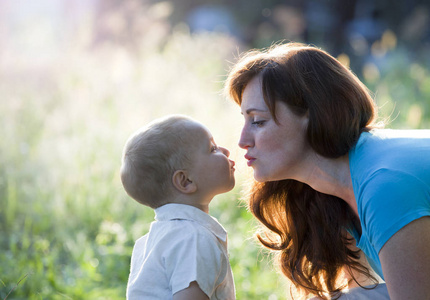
(151, 156)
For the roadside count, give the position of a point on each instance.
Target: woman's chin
(268, 177)
(260, 178)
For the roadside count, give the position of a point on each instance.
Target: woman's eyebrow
(250, 110)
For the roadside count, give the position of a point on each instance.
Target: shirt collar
(174, 211)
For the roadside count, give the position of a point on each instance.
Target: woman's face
(274, 151)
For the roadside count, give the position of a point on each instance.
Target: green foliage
(67, 227)
(401, 89)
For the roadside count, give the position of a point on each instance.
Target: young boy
(174, 166)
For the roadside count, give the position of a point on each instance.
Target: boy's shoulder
(177, 230)
(178, 223)
(142, 240)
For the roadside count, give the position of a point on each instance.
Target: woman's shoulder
(392, 136)
(400, 133)
(390, 149)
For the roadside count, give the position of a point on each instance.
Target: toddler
(174, 166)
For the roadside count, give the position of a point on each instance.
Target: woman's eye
(258, 123)
(214, 149)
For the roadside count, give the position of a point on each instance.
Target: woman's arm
(192, 292)
(405, 260)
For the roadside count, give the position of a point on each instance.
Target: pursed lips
(232, 164)
(250, 159)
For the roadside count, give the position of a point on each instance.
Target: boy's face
(212, 170)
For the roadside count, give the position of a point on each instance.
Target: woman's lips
(250, 160)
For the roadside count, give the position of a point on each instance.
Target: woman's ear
(183, 183)
(305, 120)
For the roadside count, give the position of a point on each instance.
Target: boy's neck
(192, 202)
(204, 208)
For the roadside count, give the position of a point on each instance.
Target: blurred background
(77, 77)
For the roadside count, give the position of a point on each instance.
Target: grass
(67, 227)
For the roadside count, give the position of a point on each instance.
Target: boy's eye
(214, 148)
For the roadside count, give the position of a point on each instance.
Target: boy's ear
(182, 183)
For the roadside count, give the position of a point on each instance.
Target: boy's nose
(225, 151)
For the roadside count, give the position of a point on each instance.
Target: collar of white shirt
(175, 211)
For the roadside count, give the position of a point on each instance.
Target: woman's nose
(245, 140)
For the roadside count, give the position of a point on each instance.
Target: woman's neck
(333, 177)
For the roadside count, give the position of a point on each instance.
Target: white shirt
(184, 244)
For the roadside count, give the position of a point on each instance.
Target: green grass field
(67, 227)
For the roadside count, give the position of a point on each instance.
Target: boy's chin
(232, 185)
(229, 188)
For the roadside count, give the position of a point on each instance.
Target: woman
(324, 170)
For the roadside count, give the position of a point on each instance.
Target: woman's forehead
(252, 97)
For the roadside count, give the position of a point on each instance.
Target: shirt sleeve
(196, 256)
(392, 199)
(369, 293)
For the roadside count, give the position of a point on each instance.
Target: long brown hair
(306, 228)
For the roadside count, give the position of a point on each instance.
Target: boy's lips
(250, 159)
(232, 163)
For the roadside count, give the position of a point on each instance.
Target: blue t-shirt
(390, 172)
